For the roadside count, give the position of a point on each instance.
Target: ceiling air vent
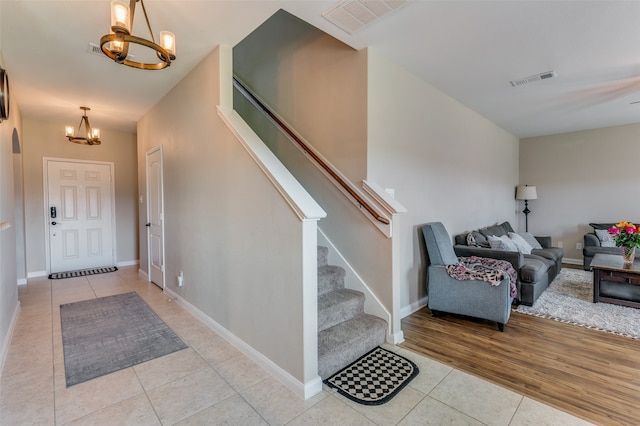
(95, 49)
(531, 79)
(354, 15)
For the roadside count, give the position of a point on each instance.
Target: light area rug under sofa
(569, 299)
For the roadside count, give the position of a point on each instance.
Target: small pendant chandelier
(91, 135)
(116, 44)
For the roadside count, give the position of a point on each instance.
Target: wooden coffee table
(614, 282)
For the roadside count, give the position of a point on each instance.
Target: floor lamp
(526, 193)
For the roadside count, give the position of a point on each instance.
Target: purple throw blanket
(492, 271)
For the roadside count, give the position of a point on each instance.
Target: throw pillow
(606, 240)
(476, 239)
(501, 243)
(522, 244)
(528, 237)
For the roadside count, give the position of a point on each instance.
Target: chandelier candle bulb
(116, 46)
(69, 131)
(120, 16)
(168, 42)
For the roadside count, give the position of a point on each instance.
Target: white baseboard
(7, 340)
(572, 261)
(303, 390)
(37, 274)
(144, 274)
(396, 338)
(415, 306)
(128, 263)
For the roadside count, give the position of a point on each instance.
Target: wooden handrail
(362, 202)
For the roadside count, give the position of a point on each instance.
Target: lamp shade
(525, 192)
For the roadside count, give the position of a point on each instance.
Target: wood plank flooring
(590, 374)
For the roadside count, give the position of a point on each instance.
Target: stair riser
(330, 278)
(323, 254)
(336, 353)
(333, 312)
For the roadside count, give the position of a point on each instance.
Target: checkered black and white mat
(375, 378)
(83, 273)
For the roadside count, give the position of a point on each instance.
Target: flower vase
(628, 254)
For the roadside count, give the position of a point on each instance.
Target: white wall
(226, 226)
(581, 177)
(445, 162)
(46, 139)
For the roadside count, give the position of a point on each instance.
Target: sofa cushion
(552, 253)
(507, 227)
(606, 240)
(502, 243)
(590, 251)
(494, 230)
(533, 270)
(601, 225)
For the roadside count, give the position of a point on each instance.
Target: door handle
(54, 223)
(148, 224)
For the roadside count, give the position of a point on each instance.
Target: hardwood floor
(590, 374)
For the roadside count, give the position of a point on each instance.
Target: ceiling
(470, 50)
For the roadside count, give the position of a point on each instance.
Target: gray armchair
(472, 298)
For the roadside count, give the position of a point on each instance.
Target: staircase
(345, 332)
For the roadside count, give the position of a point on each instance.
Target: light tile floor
(212, 382)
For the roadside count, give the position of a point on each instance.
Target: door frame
(45, 206)
(146, 172)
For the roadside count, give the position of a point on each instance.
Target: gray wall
(227, 227)
(46, 139)
(316, 83)
(8, 259)
(445, 162)
(581, 177)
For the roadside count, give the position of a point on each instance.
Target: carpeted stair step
(342, 344)
(323, 254)
(330, 278)
(338, 306)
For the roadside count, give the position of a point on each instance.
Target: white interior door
(155, 216)
(79, 215)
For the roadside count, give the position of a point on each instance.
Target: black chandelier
(116, 44)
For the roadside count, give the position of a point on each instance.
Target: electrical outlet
(559, 244)
(578, 246)
(180, 279)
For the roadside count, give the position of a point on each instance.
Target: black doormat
(83, 273)
(101, 336)
(375, 378)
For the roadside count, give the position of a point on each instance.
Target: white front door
(155, 216)
(79, 215)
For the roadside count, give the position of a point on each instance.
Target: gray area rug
(104, 335)
(569, 299)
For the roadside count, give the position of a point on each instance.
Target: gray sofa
(473, 298)
(535, 271)
(592, 245)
